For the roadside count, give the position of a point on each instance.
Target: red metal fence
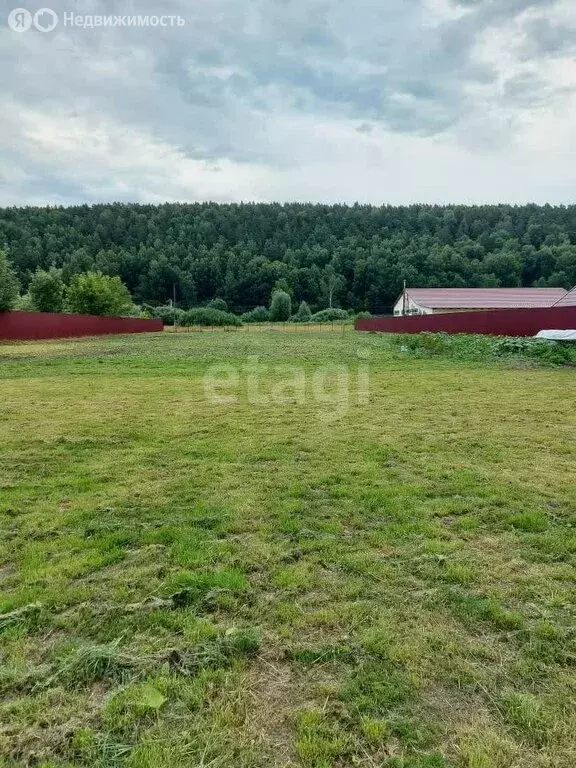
(24, 326)
(501, 322)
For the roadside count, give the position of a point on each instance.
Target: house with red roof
(568, 300)
(432, 301)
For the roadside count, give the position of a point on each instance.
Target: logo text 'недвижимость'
(46, 20)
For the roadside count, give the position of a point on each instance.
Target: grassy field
(221, 549)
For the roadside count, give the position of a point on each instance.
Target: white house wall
(411, 306)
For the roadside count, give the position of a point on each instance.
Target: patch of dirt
(278, 689)
(6, 573)
(453, 711)
(274, 694)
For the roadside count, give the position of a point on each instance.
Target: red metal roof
(486, 298)
(568, 300)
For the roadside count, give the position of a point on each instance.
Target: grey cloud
(212, 88)
(306, 51)
(530, 91)
(499, 8)
(545, 38)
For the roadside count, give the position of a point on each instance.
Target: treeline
(355, 257)
(91, 293)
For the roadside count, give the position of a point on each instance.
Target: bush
(138, 311)
(304, 315)
(208, 316)
(363, 316)
(330, 315)
(427, 343)
(219, 304)
(551, 352)
(47, 290)
(24, 303)
(484, 347)
(93, 293)
(280, 306)
(168, 314)
(256, 315)
(462, 346)
(9, 285)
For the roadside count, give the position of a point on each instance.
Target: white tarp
(557, 335)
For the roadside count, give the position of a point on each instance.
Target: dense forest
(355, 257)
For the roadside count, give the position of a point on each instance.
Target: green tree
(93, 293)
(280, 306)
(24, 304)
(47, 290)
(219, 304)
(332, 284)
(9, 285)
(303, 315)
(327, 255)
(507, 267)
(284, 286)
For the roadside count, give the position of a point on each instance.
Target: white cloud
(432, 101)
(113, 161)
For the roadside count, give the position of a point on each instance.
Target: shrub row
(330, 315)
(210, 315)
(552, 352)
(197, 316)
(256, 315)
(481, 347)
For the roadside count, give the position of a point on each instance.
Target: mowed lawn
(204, 574)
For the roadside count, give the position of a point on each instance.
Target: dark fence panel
(25, 326)
(501, 322)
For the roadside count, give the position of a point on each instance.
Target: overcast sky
(382, 101)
